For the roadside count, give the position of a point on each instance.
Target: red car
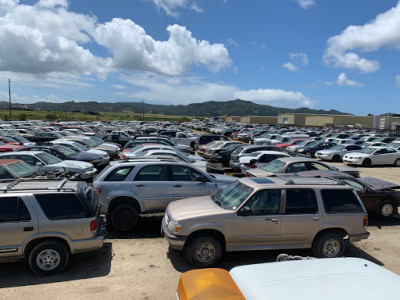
(9, 147)
(291, 142)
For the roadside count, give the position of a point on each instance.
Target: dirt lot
(139, 265)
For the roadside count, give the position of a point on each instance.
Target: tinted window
(296, 167)
(181, 173)
(152, 173)
(265, 202)
(340, 201)
(13, 209)
(4, 174)
(62, 206)
(118, 174)
(301, 202)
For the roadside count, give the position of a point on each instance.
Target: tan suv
(47, 221)
(267, 213)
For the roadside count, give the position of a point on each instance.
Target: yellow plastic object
(208, 284)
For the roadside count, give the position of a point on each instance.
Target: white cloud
(170, 7)
(383, 31)
(397, 80)
(304, 4)
(58, 41)
(274, 97)
(290, 67)
(119, 86)
(232, 42)
(343, 81)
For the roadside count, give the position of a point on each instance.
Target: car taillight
(99, 190)
(93, 225)
(248, 175)
(253, 166)
(365, 222)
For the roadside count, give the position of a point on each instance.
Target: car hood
(358, 154)
(378, 184)
(346, 169)
(72, 164)
(196, 207)
(222, 179)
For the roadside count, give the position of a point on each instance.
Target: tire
(329, 245)
(214, 168)
(386, 209)
(124, 217)
(204, 251)
(366, 163)
(397, 162)
(48, 258)
(336, 158)
(309, 154)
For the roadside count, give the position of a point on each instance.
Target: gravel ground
(139, 265)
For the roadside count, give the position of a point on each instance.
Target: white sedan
(373, 156)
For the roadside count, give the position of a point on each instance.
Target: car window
(296, 167)
(13, 209)
(357, 186)
(273, 166)
(182, 173)
(21, 169)
(26, 158)
(340, 201)
(152, 173)
(265, 202)
(62, 206)
(301, 201)
(4, 174)
(118, 174)
(316, 166)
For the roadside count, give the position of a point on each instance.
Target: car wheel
(336, 158)
(366, 163)
(48, 258)
(309, 154)
(204, 251)
(214, 168)
(397, 162)
(124, 217)
(329, 245)
(386, 209)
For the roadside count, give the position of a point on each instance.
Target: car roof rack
(293, 180)
(59, 187)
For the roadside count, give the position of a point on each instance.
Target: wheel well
(339, 231)
(123, 200)
(215, 233)
(32, 244)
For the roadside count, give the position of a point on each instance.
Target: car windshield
(96, 141)
(302, 143)
(367, 150)
(232, 196)
(22, 169)
(20, 139)
(393, 145)
(48, 158)
(337, 148)
(80, 147)
(66, 151)
(273, 166)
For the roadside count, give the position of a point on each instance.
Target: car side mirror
(39, 164)
(245, 211)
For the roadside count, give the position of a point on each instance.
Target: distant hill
(210, 108)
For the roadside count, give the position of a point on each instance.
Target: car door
(18, 222)
(188, 182)
(381, 157)
(152, 186)
(300, 220)
(261, 228)
(371, 199)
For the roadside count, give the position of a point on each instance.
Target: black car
(310, 149)
(224, 156)
(65, 153)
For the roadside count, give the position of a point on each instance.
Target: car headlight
(174, 226)
(95, 161)
(300, 150)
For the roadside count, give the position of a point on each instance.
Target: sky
(341, 54)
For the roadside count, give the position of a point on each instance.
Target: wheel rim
(387, 210)
(205, 252)
(331, 248)
(48, 259)
(397, 163)
(124, 217)
(309, 154)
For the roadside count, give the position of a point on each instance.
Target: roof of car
(260, 182)
(22, 153)
(38, 184)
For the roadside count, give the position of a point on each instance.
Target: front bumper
(352, 161)
(175, 242)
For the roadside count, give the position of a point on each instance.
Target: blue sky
(341, 54)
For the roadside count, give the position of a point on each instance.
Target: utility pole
(9, 93)
(142, 110)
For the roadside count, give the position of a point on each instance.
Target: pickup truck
(119, 137)
(180, 137)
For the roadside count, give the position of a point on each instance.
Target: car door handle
(315, 218)
(177, 185)
(140, 185)
(272, 220)
(30, 228)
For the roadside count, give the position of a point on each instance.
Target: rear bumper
(358, 237)
(91, 244)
